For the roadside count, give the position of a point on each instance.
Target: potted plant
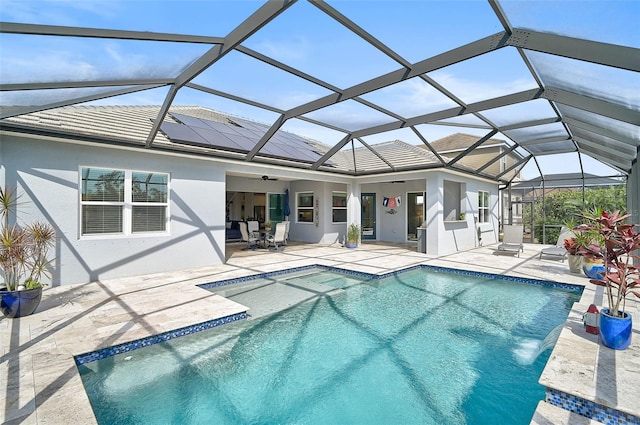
(353, 235)
(621, 276)
(24, 260)
(572, 245)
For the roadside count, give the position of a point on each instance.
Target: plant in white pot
(620, 250)
(24, 260)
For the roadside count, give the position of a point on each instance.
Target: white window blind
(123, 202)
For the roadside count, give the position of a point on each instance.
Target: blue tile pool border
(187, 330)
(126, 347)
(589, 409)
(436, 269)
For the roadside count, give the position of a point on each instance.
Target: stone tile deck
(39, 382)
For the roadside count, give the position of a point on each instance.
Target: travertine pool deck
(39, 382)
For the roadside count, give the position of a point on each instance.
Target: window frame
(305, 208)
(484, 217)
(127, 206)
(335, 208)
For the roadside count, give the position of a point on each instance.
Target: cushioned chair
(558, 251)
(254, 228)
(252, 241)
(278, 238)
(512, 235)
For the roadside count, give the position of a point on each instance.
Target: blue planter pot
(351, 244)
(593, 270)
(615, 332)
(20, 303)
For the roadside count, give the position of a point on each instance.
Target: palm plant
(24, 251)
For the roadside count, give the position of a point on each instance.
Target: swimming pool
(419, 347)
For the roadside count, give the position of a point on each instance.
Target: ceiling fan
(266, 178)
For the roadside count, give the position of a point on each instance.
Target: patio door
(415, 214)
(368, 215)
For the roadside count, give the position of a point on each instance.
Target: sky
(304, 38)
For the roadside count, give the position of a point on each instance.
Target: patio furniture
(252, 241)
(558, 251)
(278, 238)
(512, 239)
(254, 228)
(286, 231)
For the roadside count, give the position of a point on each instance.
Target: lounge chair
(512, 239)
(558, 251)
(252, 241)
(278, 238)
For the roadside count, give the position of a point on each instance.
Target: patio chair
(252, 241)
(558, 251)
(254, 228)
(286, 231)
(512, 239)
(278, 238)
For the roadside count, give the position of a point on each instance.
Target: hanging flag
(392, 202)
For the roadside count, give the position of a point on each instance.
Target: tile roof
(461, 141)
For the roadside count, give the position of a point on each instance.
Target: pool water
(416, 348)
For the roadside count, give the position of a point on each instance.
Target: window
(454, 200)
(483, 206)
(123, 202)
(149, 201)
(339, 207)
(304, 206)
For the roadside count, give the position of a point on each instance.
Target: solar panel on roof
(243, 138)
(180, 132)
(222, 128)
(188, 120)
(218, 139)
(247, 144)
(252, 134)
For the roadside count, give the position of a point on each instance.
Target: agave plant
(620, 251)
(24, 251)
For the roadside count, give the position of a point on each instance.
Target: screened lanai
(558, 82)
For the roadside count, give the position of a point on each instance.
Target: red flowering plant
(572, 246)
(620, 250)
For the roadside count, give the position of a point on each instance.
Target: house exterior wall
(322, 230)
(47, 176)
(47, 173)
(393, 227)
(447, 236)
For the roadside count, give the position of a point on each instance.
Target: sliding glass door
(368, 216)
(415, 214)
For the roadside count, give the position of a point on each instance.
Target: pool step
(548, 414)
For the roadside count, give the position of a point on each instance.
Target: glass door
(368, 216)
(415, 214)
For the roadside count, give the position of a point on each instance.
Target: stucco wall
(322, 230)
(47, 174)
